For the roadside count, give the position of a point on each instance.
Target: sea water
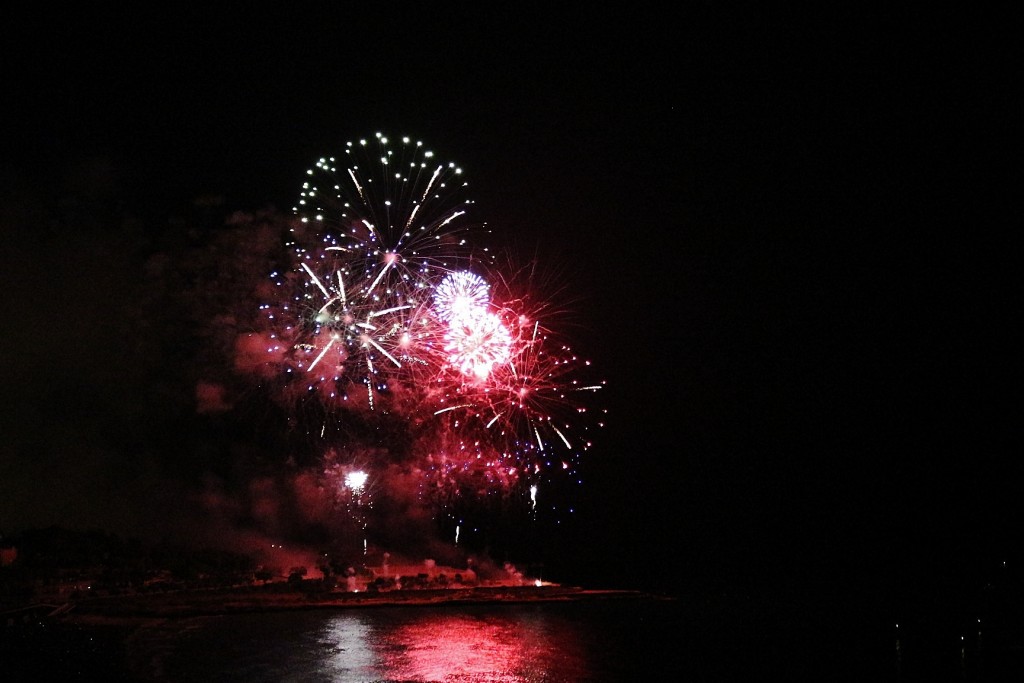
(522, 643)
(592, 640)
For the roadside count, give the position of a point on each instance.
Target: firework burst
(375, 232)
(398, 211)
(531, 405)
(384, 317)
(461, 294)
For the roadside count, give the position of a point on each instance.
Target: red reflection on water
(456, 646)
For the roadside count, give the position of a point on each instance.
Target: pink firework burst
(477, 342)
(527, 398)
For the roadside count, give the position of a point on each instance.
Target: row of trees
(42, 558)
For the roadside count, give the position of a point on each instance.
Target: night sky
(785, 240)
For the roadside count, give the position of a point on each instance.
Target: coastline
(193, 603)
(131, 637)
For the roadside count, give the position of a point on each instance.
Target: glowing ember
(356, 481)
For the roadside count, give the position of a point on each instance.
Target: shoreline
(184, 604)
(129, 637)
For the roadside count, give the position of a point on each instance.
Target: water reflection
(549, 643)
(484, 647)
(519, 647)
(348, 644)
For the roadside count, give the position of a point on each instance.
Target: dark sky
(788, 236)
